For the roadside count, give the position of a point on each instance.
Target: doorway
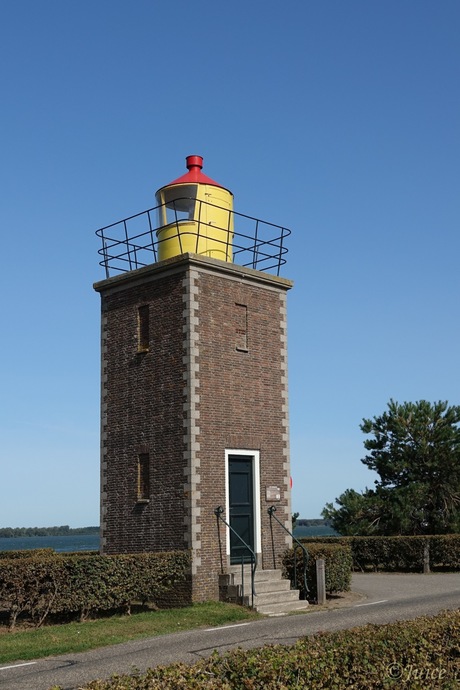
(241, 506)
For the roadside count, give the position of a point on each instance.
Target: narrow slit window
(241, 327)
(143, 329)
(143, 477)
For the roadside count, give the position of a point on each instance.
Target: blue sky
(339, 119)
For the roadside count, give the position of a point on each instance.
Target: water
(90, 542)
(72, 542)
(314, 531)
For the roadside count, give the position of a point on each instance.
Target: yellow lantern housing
(195, 215)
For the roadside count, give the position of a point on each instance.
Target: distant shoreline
(61, 531)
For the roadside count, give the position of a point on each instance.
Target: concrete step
(273, 596)
(259, 575)
(264, 598)
(283, 608)
(263, 586)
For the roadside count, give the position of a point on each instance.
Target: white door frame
(255, 455)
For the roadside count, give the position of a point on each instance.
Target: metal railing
(218, 512)
(133, 242)
(271, 511)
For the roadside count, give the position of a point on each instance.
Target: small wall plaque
(272, 493)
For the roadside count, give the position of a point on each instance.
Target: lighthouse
(194, 386)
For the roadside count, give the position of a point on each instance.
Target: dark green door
(241, 495)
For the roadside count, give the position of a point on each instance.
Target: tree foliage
(294, 520)
(415, 450)
(356, 513)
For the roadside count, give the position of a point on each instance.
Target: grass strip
(52, 640)
(418, 655)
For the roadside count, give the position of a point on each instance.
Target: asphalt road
(385, 598)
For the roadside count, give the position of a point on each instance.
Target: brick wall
(242, 400)
(142, 396)
(196, 392)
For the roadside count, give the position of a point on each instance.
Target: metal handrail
(132, 243)
(271, 511)
(218, 513)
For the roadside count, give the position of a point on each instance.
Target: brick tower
(194, 399)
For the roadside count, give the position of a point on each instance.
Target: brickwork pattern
(193, 395)
(285, 421)
(142, 412)
(243, 402)
(192, 477)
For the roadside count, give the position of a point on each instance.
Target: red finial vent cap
(194, 174)
(194, 162)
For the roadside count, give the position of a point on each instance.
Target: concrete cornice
(182, 262)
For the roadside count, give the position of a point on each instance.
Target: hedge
(28, 553)
(338, 565)
(423, 653)
(405, 553)
(37, 587)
